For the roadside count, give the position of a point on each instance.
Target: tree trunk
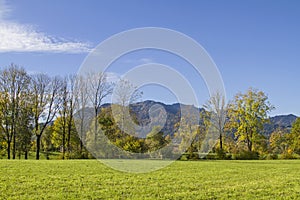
(221, 141)
(250, 141)
(82, 138)
(96, 128)
(14, 146)
(8, 150)
(81, 146)
(95, 135)
(38, 146)
(26, 154)
(69, 131)
(63, 145)
(68, 141)
(249, 145)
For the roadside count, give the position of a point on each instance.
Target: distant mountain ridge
(141, 111)
(279, 121)
(173, 111)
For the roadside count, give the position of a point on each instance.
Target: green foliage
(246, 155)
(155, 140)
(53, 137)
(221, 154)
(189, 132)
(294, 138)
(184, 157)
(279, 141)
(247, 115)
(271, 157)
(289, 155)
(26, 100)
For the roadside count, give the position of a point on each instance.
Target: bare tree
(46, 100)
(125, 93)
(98, 90)
(216, 108)
(66, 111)
(63, 113)
(72, 101)
(80, 107)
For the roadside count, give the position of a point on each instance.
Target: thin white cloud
(4, 10)
(15, 37)
(139, 61)
(146, 60)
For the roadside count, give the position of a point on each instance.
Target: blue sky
(253, 43)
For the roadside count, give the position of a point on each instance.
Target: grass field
(89, 179)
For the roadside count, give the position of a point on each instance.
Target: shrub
(211, 156)
(228, 156)
(272, 156)
(183, 157)
(288, 155)
(221, 154)
(247, 155)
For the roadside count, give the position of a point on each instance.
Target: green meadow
(90, 179)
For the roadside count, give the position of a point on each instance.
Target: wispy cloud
(16, 37)
(139, 61)
(4, 10)
(146, 60)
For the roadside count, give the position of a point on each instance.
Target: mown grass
(89, 179)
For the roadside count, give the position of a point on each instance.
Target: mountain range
(173, 112)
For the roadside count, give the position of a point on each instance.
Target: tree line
(49, 114)
(38, 110)
(239, 128)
